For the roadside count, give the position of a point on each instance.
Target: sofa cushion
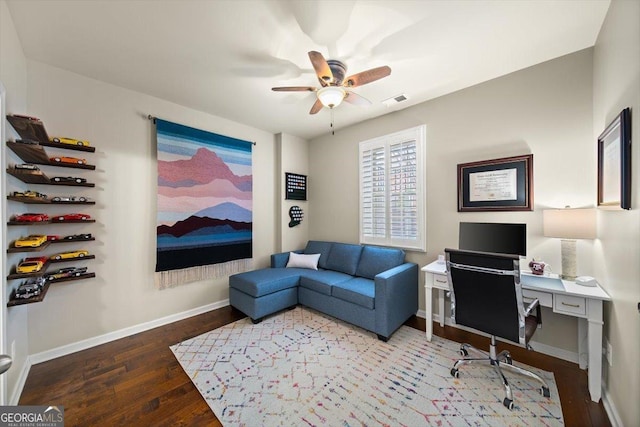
(265, 281)
(358, 290)
(322, 280)
(318, 247)
(375, 260)
(344, 257)
(303, 261)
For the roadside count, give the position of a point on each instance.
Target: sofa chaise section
(368, 286)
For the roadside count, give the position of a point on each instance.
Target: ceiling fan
(335, 88)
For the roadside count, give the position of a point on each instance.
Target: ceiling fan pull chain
(333, 131)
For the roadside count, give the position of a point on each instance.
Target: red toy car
(53, 237)
(72, 217)
(31, 217)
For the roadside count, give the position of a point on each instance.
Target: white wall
(617, 86)
(123, 293)
(544, 110)
(13, 75)
(293, 157)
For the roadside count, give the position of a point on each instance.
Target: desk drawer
(545, 299)
(440, 281)
(571, 305)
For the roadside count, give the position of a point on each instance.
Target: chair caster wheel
(455, 373)
(545, 391)
(509, 360)
(463, 352)
(508, 403)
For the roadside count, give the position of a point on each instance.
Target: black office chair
(486, 295)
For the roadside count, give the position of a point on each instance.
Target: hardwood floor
(136, 381)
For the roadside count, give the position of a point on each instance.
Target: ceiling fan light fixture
(331, 96)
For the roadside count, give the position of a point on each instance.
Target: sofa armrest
(396, 297)
(280, 260)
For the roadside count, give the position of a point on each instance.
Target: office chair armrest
(535, 303)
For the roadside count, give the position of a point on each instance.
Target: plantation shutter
(403, 209)
(374, 222)
(392, 190)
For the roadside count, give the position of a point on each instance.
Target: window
(392, 201)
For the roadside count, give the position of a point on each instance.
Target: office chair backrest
(488, 297)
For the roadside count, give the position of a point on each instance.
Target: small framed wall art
(496, 185)
(614, 163)
(295, 186)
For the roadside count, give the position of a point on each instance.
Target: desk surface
(542, 283)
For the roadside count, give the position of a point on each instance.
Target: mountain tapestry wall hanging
(204, 220)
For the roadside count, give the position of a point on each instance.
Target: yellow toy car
(32, 241)
(29, 267)
(68, 255)
(70, 141)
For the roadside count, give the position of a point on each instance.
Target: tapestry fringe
(173, 278)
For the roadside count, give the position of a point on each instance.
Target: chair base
(497, 362)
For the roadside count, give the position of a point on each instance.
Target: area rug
(301, 367)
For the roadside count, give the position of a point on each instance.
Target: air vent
(395, 100)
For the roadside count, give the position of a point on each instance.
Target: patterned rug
(304, 368)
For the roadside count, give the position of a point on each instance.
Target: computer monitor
(504, 238)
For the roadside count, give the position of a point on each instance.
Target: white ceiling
(222, 57)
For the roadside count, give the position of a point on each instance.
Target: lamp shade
(569, 223)
(331, 96)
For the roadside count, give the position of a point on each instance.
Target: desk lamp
(569, 224)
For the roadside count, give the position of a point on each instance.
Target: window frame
(417, 134)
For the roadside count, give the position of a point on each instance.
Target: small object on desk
(586, 281)
(440, 259)
(537, 267)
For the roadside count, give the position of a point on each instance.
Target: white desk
(582, 302)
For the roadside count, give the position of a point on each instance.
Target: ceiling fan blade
(317, 106)
(355, 99)
(294, 89)
(367, 76)
(325, 76)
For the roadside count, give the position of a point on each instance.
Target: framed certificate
(496, 185)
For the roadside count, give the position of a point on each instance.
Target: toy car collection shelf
(15, 275)
(37, 298)
(40, 298)
(13, 249)
(35, 154)
(30, 149)
(41, 201)
(40, 178)
(68, 146)
(69, 221)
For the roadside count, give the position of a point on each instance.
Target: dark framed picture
(614, 163)
(496, 185)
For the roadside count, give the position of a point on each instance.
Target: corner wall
(293, 157)
(616, 86)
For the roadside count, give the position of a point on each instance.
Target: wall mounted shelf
(35, 154)
(30, 150)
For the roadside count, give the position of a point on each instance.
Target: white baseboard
(610, 409)
(22, 379)
(102, 339)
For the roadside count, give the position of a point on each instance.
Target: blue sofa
(368, 286)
